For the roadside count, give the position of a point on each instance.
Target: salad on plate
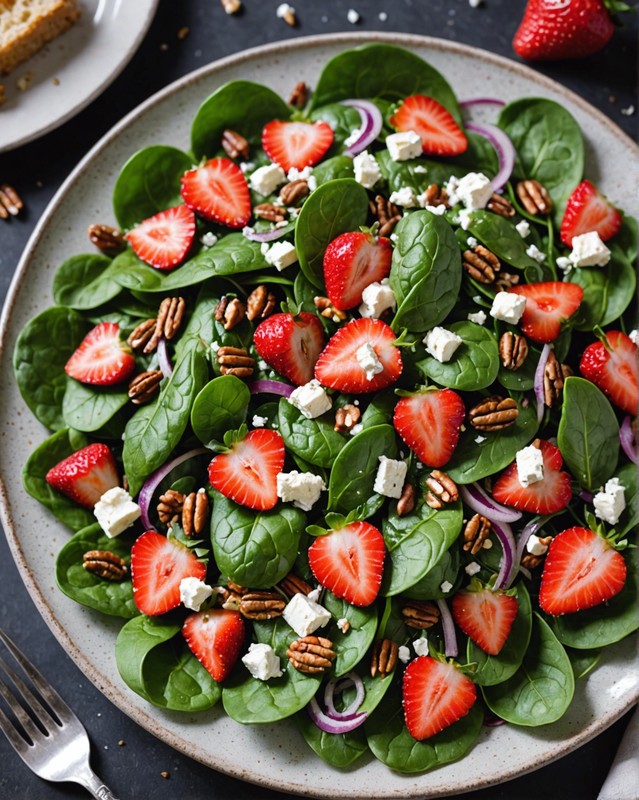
(343, 413)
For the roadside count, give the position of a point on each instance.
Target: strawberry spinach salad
(343, 414)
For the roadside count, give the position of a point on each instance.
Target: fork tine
(29, 726)
(13, 735)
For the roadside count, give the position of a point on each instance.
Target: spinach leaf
(220, 406)
(498, 234)
(342, 119)
(523, 378)
(355, 468)
(588, 434)
(255, 548)
(47, 455)
(379, 411)
(542, 688)
(474, 364)
(154, 430)
(333, 208)
(474, 460)
(446, 569)
(332, 168)
(337, 749)
(200, 327)
(583, 661)
(350, 647)
(88, 409)
(43, 348)
(312, 439)
(87, 588)
(416, 543)
(425, 272)
(608, 291)
(480, 156)
(549, 146)
(629, 520)
(148, 183)
(417, 173)
(381, 71)
(84, 282)
(242, 106)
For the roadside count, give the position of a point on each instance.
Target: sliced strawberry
(588, 210)
(296, 144)
(486, 616)
(441, 135)
(248, 473)
(215, 637)
(100, 359)
(218, 191)
(436, 694)
(430, 423)
(85, 475)
(581, 570)
(350, 562)
(158, 566)
(352, 261)
(548, 305)
(290, 344)
(338, 367)
(164, 239)
(614, 368)
(547, 496)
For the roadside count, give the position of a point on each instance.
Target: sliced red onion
(481, 101)
(585, 496)
(448, 626)
(337, 686)
(504, 533)
(153, 481)
(372, 122)
(481, 502)
(504, 147)
(493, 721)
(330, 725)
(538, 384)
(265, 236)
(271, 387)
(163, 358)
(627, 440)
(532, 527)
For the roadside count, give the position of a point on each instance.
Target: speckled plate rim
(556, 749)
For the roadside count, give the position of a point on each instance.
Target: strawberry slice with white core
(548, 306)
(164, 239)
(581, 570)
(296, 144)
(352, 262)
(85, 475)
(435, 695)
(430, 423)
(248, 473)
(340, 365)
(100, 359)
(485, 616)
(290, 344)
(218, 192)
(588, 210)
(440, 134)
(350, 562)
(215, 637)
(613, 366)
(158, 566)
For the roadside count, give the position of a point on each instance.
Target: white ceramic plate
(275, 756)
(72, 70)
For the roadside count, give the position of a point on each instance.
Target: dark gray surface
(608, 80)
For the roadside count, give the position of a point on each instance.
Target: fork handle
(95, 786)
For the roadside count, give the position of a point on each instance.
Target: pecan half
(328, 310)
(513, 350)
(144, 386)
(260, 303)
(10, 201)
(292, 584)
(481, 264)
(170, 506)
(312, 654)
(299, 96)
(442, 489)
(106, 238)
(346, 418)
(141, 336)
(500, 205)
(384, 657)
(505, 280)
(270, 212)
(230, 312)
(534, 197)
(231, 6)
(235, 145)
(195, 512)
(168, 322)
(235, 361)
(105, 564)
(555, 375)
(476, 532)
(386, 213)
(261, 605)
(407, 500)
(434, 195)
(494, 413)
(291, 193)
(420, 614)
(530, 560)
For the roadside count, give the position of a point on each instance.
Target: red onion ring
(538, 384)
(337, 686)
(271, 387)
(448, 626)
(163, 358)
(493, 721)
(372, 122)
(532, 527)
(481, 502)
(504, 533)
(585, 496)
(626, 439)
(481, 101)
(330, 725)
(153, 481)
(265, 236)
(504, 147)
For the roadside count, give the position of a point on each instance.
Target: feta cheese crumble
(116, 511)
(404, 145)
(281, 255)
(368, 360)
(303, 489)
(535, 546)
(311, 399)
(442, 344)
(352, 16)
(193, 592)
(508, 307)
(305, 615)
(259, 421)
(589, 251)
(376, 299)
(403, 654)
(472, 569)
(610, 501)
(523, 228)
(262, 662)
(465, 216)
(478, 317)
(446, 586)
(209, 239)
(344, 625)
(367, 171)
(404, 197)
(535, 253)
(565, 264)
(390, 477)
(474, 190)
(530, 465)
(420, 646)
(265, 180)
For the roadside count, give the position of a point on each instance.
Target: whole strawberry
(556, 29)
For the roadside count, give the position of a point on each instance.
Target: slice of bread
(27, 25)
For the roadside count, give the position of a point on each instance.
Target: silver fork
(51, 741)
